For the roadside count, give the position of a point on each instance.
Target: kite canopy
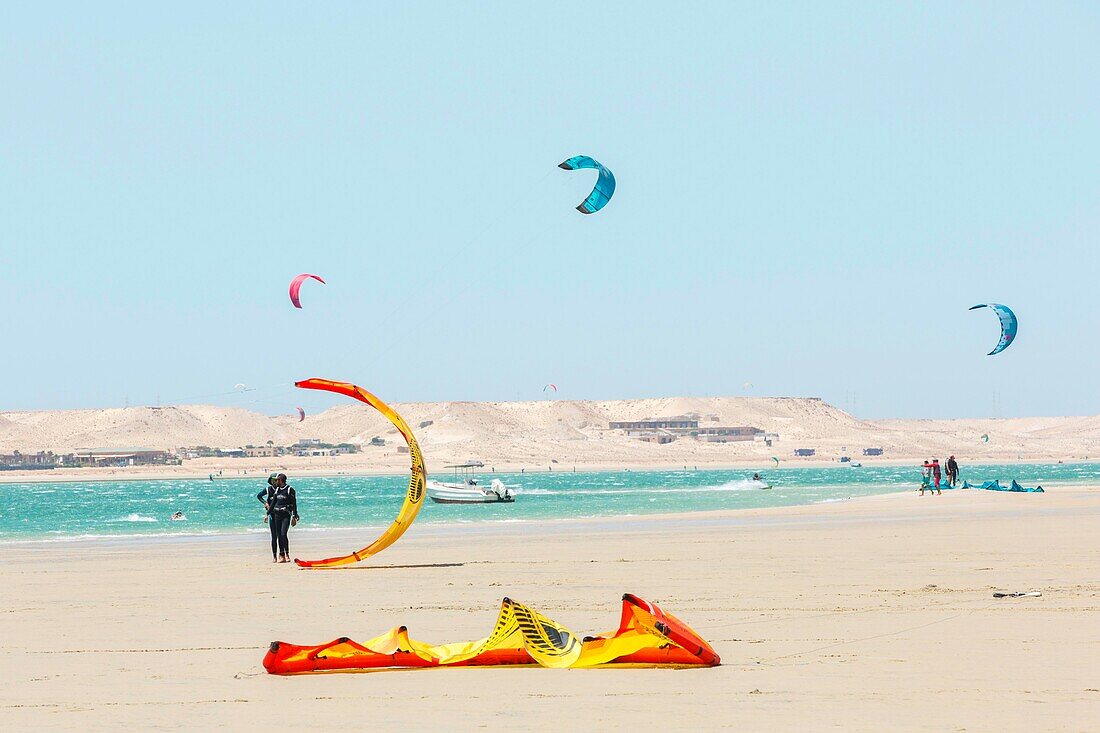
(605, 184)
(301, 414)
(985, 437)
(414, 496)
(1008, 325)
(296, 285)
(550, 386)
(646, 636)
(776, 459)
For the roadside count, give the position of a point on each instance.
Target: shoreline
(352, 534)
(159, 473)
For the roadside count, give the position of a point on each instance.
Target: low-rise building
(804, 452)
(17, 461)
(727, 434)
(872, 451)
(122, 457)
(679, 422)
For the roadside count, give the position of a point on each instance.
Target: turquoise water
(65, 510)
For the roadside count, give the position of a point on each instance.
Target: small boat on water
(465, 489)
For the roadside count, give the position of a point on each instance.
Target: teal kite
(605, 184)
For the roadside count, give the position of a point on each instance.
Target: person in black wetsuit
(952, 472)
(282, 513)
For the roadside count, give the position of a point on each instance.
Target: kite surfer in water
(282, 513)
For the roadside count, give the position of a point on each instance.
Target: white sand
(870, 615)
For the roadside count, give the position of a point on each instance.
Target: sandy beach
(874, 614)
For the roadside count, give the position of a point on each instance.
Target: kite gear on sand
(1019, 594)
(995, 485)
(646, 636)
(414, 496)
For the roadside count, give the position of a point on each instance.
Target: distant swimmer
(281, 504)
(178, 517)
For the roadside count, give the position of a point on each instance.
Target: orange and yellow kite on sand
(647, 636)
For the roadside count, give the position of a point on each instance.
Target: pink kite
(296, 285)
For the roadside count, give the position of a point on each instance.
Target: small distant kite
(605, 184)
(776, 459)
(296, 285)
(301, 414)
(1008, 325)
(550, 386)
(985, 437)
(747, 385)
(240, 387)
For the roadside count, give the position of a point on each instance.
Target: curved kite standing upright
(605, 184)
(550, 386)
(414, 496)
(296, 285)
(1009, 324)
(301, 414)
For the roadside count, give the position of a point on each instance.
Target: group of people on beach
(932, 474)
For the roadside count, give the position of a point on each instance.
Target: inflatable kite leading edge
(647, 636)
(414, 497)
(605, 183)
(1009, 325)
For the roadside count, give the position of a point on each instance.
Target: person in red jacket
(936, 474)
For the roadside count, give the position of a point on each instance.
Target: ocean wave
(737, 485)
(133, 518)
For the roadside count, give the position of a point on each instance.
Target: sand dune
(566, 431)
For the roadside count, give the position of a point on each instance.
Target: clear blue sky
(809, 198)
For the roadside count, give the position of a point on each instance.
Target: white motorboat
(465, 489)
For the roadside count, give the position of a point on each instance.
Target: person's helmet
(271, 479)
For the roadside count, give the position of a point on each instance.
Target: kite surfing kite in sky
(605, 184)
(550, 386)
(301, 414)
(414, 496)
(296, 285)
(647, 636)
(1008, 325)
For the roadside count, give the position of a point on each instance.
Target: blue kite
(1008, 325)
(605, 184)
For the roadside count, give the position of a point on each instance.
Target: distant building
(17, 461)
(872, 451)
(426, 423)
(260, 451)
(658, 438)
(804, 452)
(377, 441)
(122, 457)
(728, 434)
(681, 422)
(345, 448)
